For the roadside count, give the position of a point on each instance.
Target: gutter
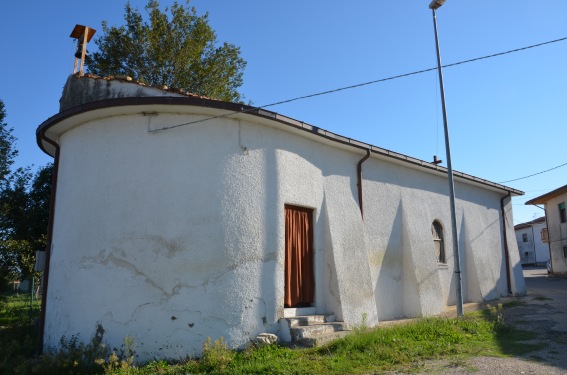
(359, 180)
(41, 134)
(535, 251)
(506, 251)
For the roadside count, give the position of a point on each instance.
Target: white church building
(177, 218)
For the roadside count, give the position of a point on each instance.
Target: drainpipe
(548, 241)
(359, 177)
(49, 239)
(535, 251)
(506, 252)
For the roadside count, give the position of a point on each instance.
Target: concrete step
(317, 330)
(298, 321)
(291, 312)
(311, 342)
(311, 330)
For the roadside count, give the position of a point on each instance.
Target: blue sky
(507, 115)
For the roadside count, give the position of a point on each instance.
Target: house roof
(528, 224)
(180, 98)
(547, 196)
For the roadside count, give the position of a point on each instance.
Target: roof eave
(241, 109)
(542, 199)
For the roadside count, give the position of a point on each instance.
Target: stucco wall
(177, 235)
(400, 207)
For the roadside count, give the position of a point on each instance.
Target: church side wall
(173, 236)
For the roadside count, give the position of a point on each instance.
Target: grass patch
(511, 304)
(18, 335)
(401, 347)
(391, 348)
(540, 298)
(15, 309)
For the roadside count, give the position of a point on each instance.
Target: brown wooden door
(299, 278)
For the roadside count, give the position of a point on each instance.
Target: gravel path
(489, 365)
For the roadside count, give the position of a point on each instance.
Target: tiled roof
(528, 224)
(140, 83)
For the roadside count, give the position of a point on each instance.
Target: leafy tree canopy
(24, 209)
(180, 52)
(7, 151)
(24, 212)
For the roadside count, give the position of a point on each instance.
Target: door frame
(305, 275)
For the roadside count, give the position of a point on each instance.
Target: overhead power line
(362, 84)
(534, 174)
(409, 74)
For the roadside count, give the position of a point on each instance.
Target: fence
(19, 309)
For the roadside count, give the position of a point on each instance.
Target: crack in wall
(122, 263)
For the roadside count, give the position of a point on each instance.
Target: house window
(524, 237)
(562, 214)
(544, 235)
(437, 232)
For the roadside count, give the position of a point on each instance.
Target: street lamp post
(435, 4)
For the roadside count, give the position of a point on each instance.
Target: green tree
(24, 209)
(24, 212)
(7, 151)
(7, 156)
(181, 52)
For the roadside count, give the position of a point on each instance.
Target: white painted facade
(530, 244)
(556, 228)
(171, 234)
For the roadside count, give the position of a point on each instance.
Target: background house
(556, 216)
(532, 241)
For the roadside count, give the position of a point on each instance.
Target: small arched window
(438, 242)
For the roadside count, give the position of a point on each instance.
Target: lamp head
(435, 4)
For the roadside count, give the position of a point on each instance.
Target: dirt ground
(543, 310)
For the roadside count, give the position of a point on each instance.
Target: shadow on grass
(511, 340)
(541, 298)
